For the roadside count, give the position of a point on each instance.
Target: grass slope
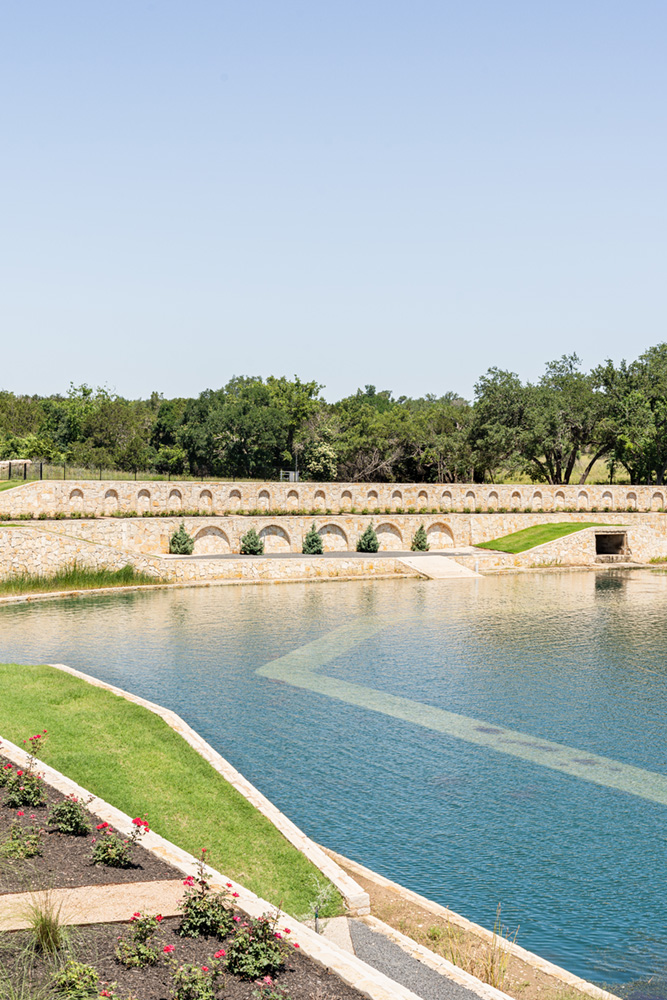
(75, 578)
(528, 538)
(130, 757)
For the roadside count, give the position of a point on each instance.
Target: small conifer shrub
(312, 543)
(368, 541)
(252, 544)
(420, 540)
(181, 543)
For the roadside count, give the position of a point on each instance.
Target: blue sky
(359, 192)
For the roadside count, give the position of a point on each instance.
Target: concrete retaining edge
(349, 968)
(356, 899)
(529, 957)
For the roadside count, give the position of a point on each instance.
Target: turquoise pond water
(480, 741)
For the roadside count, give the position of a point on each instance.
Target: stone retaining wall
(52, 496)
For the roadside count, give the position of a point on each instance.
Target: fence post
(40, 469)
(25, 470)
(64, 470)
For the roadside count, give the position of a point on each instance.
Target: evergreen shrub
(312, 543)
(420, 540)
(181, 543)
(252, 544)
(368, 541)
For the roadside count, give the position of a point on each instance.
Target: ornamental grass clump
(137, 950)
(69, 817)
(257, 948)
(205, 912)
(113, 850)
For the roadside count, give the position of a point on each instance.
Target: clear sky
(356, 191)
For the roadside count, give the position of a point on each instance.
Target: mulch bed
(302, 979)
(65, 862)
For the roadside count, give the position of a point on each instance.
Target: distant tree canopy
(252, 427)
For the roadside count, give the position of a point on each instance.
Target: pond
(483, 741)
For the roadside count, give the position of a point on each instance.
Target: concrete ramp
(437, 567)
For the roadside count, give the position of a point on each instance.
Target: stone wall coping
(355, 898)
(373, 984)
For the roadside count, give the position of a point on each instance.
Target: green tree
(181, 543)
(420, 540)
(368, 540)
(312, 543)
(252, 544)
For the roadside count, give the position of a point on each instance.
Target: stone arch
(264, 499)
(206, 499)
(143, 500)
(333, 538)
(235, 498)
(537, 501)
(397, 498)
(492, 501)
(389, 536)
(515, 500)
(559, 500)
(657, 501)
(320, 498)
(275, 538)
(471, 499)
(110, 501)
(422, 499)
(346, 498)
(175, 500)
(440, 536)
(446, 500)
(631, 500)
(607, 499)
(292, 499)
(76, 499)
(372, 498)
(211, 541)
(582, 500)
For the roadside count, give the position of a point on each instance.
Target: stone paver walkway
(93, 904)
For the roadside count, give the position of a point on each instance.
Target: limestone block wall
(35, 550)
(58, 496)
(222, 534)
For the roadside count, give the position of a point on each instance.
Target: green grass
(75, 578)
(10, 484)
(528, 538)
(131, 758)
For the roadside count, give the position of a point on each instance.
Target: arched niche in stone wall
(631, 500)
(206, 500)
(110, 501)
(76, 500)
(264, 500)
(143, 500)
(515, 500)
(175, 500)
(582, 500)
(211, 541)
(397, 498)
(608, 499)
(537, 503)
(346, 499)
(389, 537)
(439, 536)
(470, 499)
(559, 500)
(446, 500)
(334, 539)
(234, 499)
(657, 501)
(293, 499)
(275, 538)
(372, 499)
(493, 501)
(320, 499)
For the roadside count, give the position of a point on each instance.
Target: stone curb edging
(362, 977)
(356, 900)
(436, 962)
(529, 957)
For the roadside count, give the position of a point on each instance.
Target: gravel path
(385, 956)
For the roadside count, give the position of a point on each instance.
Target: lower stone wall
(36, 551)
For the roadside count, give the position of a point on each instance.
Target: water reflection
(573, 658)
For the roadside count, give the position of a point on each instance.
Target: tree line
(252, 427)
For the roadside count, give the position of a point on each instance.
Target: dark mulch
(65, 861)
(301, 978)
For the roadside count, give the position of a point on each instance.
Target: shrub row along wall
(63, 497)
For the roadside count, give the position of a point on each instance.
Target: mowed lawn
(131, 758)
(528, 538)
